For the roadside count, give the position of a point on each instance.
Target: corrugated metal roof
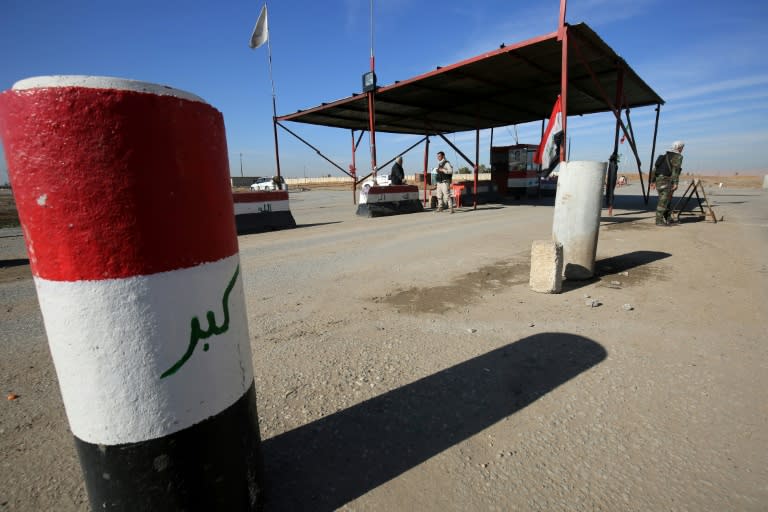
(512, 85)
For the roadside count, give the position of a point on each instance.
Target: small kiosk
(513, 170)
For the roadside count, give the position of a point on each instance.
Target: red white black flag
(547, 151)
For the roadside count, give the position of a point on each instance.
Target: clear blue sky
(707, 59)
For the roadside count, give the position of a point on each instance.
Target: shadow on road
(13, 263)
(616, 264)
(615, 219)
(331, 461)
(317, 224)
(628, 261)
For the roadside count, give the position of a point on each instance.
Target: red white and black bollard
(124, 198)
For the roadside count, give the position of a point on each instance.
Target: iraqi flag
(547, 151)
(260, 33)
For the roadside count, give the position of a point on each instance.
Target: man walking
(444, 174)
(666, 175)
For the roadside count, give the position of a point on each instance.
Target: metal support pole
(274, 131)
(613, 160)
(372, 130)
(616, 113)
(477, 159)
(564, 83)
(465, 157)
(561, 18)
(353, 170)
(385, 164)
(316, 150)
(426, 163)
(653, 154)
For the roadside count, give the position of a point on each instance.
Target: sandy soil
(403, 363)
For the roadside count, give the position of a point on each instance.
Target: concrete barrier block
(256, 212)
(546, 266)
(381, 201)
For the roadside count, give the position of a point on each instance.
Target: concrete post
(576, 222)
(124, 198)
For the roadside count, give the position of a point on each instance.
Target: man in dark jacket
(397, 176)
(666, 175)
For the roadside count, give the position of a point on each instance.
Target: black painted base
(391, 208)
(214, 465)
(265, 221)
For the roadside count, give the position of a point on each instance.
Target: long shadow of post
(331, 461)
(13, 263)
(628, 261)
(614, 265)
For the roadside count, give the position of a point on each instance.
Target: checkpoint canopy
(514, 84)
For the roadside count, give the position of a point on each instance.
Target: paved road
(402, 363)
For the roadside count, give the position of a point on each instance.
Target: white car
(382, 180)
(262, 184)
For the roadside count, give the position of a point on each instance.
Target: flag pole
(372, 108)
(274, 106)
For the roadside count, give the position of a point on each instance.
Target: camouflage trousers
(664, 206)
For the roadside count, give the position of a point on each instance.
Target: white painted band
(112, 340)
(262, 207)
(391, 197)
(102, 82)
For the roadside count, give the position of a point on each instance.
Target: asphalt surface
(403, 363)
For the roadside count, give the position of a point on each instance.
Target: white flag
(261, 30)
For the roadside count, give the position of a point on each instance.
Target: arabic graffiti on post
(198, 334)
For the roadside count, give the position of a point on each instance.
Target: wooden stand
(693, 189)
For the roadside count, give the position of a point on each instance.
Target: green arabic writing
(198, 334)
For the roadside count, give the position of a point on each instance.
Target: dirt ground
(402, 363)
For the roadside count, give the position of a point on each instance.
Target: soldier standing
(444, 174)
(666, 174)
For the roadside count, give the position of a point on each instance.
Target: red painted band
(113, 183)
(260, 197)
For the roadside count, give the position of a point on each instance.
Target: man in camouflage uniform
(666, 174)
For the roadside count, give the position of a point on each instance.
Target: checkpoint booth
(513, 170)
(571, 67)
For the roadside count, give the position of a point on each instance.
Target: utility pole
(241, 165)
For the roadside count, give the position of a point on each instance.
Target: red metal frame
(563, 35)
(444, 69)
(611, 181)
(477, 161)
(274, 130)
(372, 130)
(564, 82)
(653, 154)
(353, 169)
(426, 164)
